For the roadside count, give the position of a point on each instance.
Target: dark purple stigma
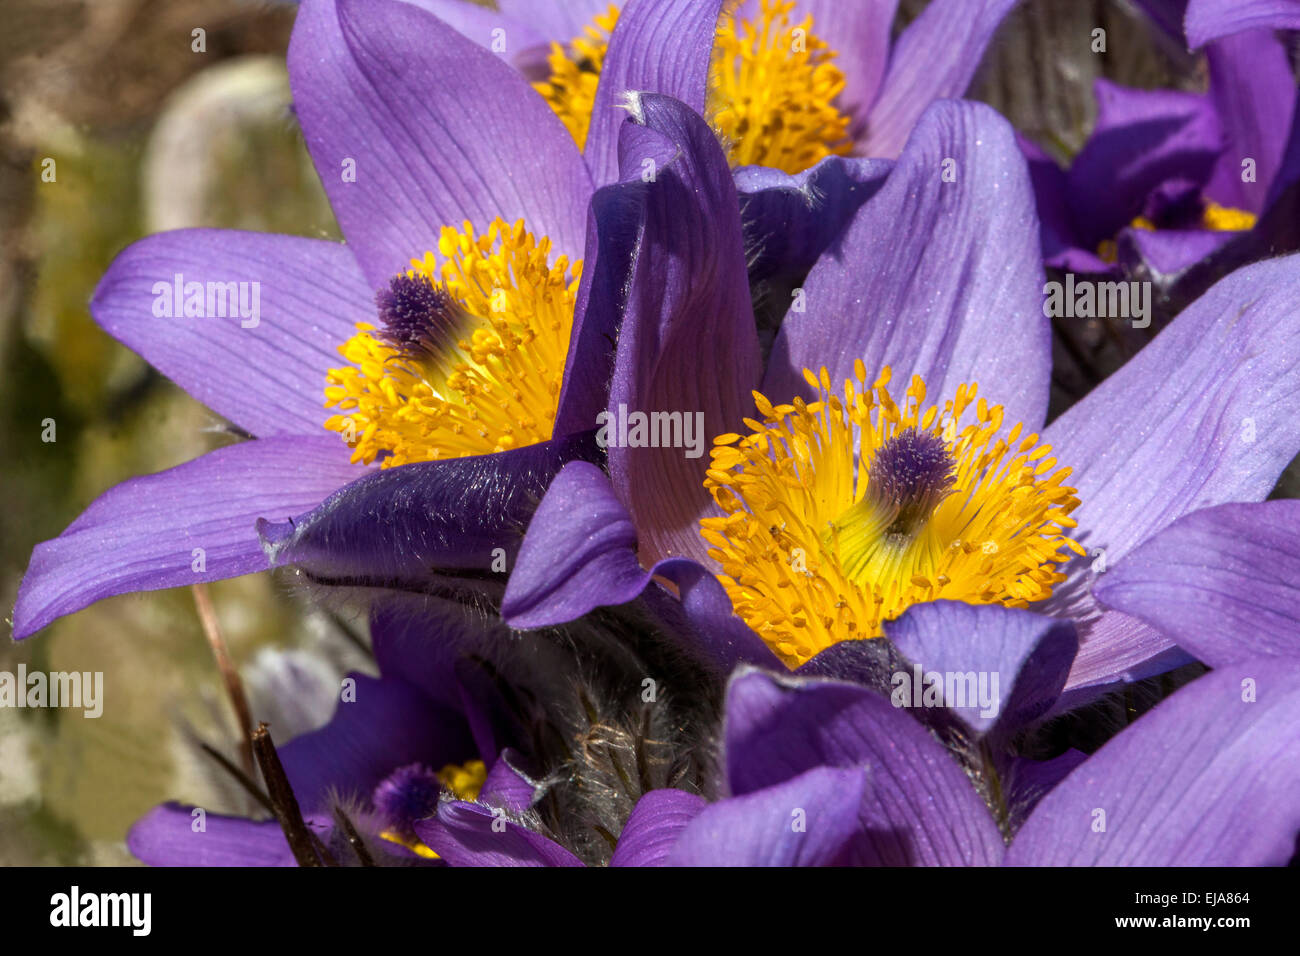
(911, 473)
(416, 314)
(406, 795)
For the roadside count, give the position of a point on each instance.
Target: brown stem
(230, 676)
(283, 803)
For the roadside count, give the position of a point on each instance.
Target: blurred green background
(147, 134)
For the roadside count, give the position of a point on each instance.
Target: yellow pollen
(575, 73)
(772, 87)
(465, 781)
(1213, 217)
(491, 386)
(1226, 218)
(809, 555)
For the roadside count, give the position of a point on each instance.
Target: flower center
(412, 793)
(843, 513)
(1213, 217)
(469, 355)
(575, 73)
(772, 87)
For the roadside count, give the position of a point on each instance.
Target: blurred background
(147, 134)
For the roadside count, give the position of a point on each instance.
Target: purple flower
(392, 739)
(1196, 419)
(824, 772)
(1167, 178)
(784, 82)
(473, 746)
(383, 92)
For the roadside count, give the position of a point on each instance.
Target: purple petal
(955, 297)
(790, 221)
(724, 639)
(1168, 252)
(389, 724)
(615, 223)
(419, 643)
(579, 535)
(494, 723)
(153, 531)
(1061, 248)
(463, 834)
(1253, 89)
(517, 38)
(808, 820)
(920, 809)
(688, 342)
(165, 836)
(558, 20)
(579, 554)
(1210, 19)
(1027, 781)
(654, 825)
(1210, 777)
(431, 527)
(1167, 15)
(268, 378)
(859, 32)
(440, 130)
(658, 46)
(934, 58)
(1142, 139)
(1224, 583)
(1026, 654)
(508, 787)
(1201, 416)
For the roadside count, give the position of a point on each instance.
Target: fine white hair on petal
(630, 100)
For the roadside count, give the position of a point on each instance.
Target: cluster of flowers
(770, 216)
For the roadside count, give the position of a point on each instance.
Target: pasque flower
(453, 303)
(833, 767)
(1166, 178)
(833, 502)
(469, 747)
(783, 82)
(1206, 778)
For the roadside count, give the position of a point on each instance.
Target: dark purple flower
(1207, 778)
(1196, 419)
(1167, 178)
(380, 90)
(843, 85)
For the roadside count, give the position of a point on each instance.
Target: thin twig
(284, 804)
(230, 676)
(353, 837)
(247, 782)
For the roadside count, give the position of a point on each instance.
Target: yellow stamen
(465, 781)
(1226, 218)
(772, 88)
(809, 560)
(1213, 217)
(575, 73)
(496, 386)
